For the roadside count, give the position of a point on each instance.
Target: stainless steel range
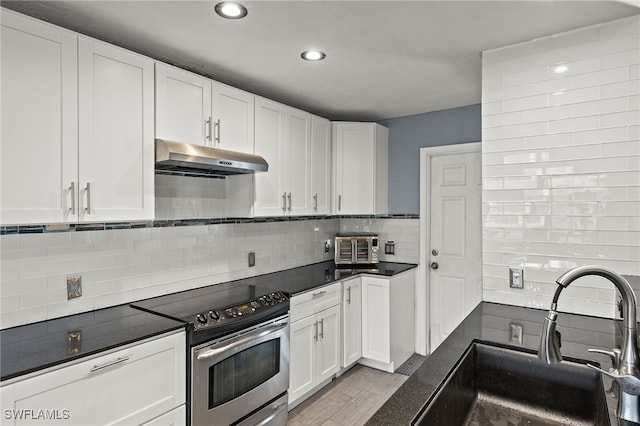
(238, 343)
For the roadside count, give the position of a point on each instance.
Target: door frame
(423, 287)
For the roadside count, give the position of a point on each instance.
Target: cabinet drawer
(127, 386)
(313, 301)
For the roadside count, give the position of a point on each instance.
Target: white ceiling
(384, 58)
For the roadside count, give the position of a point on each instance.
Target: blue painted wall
(408, 134)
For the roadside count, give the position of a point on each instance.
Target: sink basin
(497, 386)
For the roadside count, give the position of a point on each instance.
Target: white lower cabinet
(388, 320)
(351, 321)
(136, 384)
(315, 341)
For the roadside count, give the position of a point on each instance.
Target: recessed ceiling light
(313, 55)
(231, 10)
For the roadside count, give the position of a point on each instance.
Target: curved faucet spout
(629, 368)
(625, 289)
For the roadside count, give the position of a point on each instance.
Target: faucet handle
(628, 383)
(614, 354)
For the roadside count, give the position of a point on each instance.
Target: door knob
(434, 252)
(434, 265)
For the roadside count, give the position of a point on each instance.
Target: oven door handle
(241, 340)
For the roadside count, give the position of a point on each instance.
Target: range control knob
(230, 312)
(267, 298)
(255, 304)
(276, 296)
(201, 318)
(214, 315)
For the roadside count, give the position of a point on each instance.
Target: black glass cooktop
(186, 304)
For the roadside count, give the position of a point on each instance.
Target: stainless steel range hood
(198, 160)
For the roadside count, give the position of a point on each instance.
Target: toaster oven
(356, 249)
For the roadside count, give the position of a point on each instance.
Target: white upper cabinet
(283, 138)
(361, 168)
(270, 198)
(297, 157)
(183, 106)
(77, 127)
(116, 167)
(39, 146)
(320, 166)
(232, 117)
(194, 109)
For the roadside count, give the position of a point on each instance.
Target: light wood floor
(349, 400)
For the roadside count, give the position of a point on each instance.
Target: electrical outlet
(327, 246)
(252, 259)
(74, 339)
(74, 286)
(390, 247)
(516, 278)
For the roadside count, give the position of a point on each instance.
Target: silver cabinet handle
(72, 189)
(289, 197)
(284, 202)
(322, 328)
(315, 335)
(339, 202)
(349, 295)
(109, 364)
(88, 189)
(217, 136)
(207, 129)
(315, 202)
(320, 293)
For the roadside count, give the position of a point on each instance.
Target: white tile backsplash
(120, 266)
(561, 186)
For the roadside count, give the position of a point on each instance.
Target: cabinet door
(269, 186)
(183, 106)
(352, 322)
(328, 342)
(354, 168)
(302, 358)
(116, 142)
(233, 118)
(320, 165)
(375, 319)
(38, 149)
(297, 155)
(128, 386)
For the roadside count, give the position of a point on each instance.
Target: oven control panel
(217, 317)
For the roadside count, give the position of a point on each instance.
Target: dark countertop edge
(178, 325)
(407, 404)
(96, 351)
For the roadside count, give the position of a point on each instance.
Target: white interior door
(454, 247)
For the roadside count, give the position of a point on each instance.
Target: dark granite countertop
(302, 279)
(36, 346)
(491, 323)
(28, 348)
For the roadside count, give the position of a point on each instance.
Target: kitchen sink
(498, 386)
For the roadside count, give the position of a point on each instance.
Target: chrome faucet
(626, 363)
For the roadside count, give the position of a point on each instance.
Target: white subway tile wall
(120, 266)
(405, 233)
(123, 265)
(561, 164)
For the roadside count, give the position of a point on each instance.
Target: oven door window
(242, 372)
